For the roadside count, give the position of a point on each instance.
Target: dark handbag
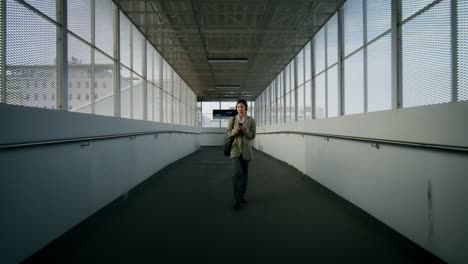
(228, 143)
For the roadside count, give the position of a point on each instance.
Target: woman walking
(242, 127)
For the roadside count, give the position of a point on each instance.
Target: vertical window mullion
(145, 79)
(364, 39)
(326, 69)
(341, 101)
(131, 71)
(117, 88)
(2, 52)
(93, 62)
(62, 55)
(396, 55)
(312, 79)
(454, 36)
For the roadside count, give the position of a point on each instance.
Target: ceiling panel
(268, 33)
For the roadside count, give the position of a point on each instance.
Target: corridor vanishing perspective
(183, 214)
(113, 112)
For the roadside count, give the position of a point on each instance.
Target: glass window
(353, 26)
(378, 17)
(332, 40)
(320, 102)
(30, 55)
(332, 95)
(79, 18)
(426, 57)
(207, 114)
(300, 103)
(319, 52)
(104, 29)
(125, 92)
(125, 27)
(307, 58)
(300, 67)
(79, 59)
(138, 47)
(354, 84)
(308, 101)
(104, 67)
(379, 78)
(410, 7)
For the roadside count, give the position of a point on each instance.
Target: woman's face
(241, 108)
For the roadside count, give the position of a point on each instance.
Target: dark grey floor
(183, 214)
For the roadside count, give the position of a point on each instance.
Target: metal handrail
(375, 142)
(213, 132)
(82, 139)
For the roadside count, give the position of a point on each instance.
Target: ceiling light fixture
(227, 60)
(227, 86)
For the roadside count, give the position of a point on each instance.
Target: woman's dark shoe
(236, 206)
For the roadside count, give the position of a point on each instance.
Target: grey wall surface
(212, 136)
(46, 190)
(421, 193)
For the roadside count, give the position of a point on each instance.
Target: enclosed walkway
(183, 214)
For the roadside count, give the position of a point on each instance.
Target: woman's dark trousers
(240, 178)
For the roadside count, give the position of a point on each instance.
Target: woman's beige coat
(243, 141)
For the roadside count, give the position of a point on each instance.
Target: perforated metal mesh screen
(300, 103)
(79, 18)
(149, 62)
(157, 103)
(2, 51)
(353, 25)
(79, 74)
(30, 73)
(124, 40)
(354, 84)
(104, 29)
(274, 112)
(379, 74)
(319, 52)
(410, 7)
(124, 92)
(300, 67)
(332, 40)
(169, 110)
(280, 105)
(378, 17)
(427, 57)
(308, 100)
(293, 106)
(138, 47)
(332, 91)
(462, 39)
(165, 108)
(47, 7)
(104, 80)
(149, 101)
(137, 96)
(280, 85)
(157, 68)
(292, 77)
(307, 58)
(176, 116)
(176, 86)
(167, 85)
(320, 96)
